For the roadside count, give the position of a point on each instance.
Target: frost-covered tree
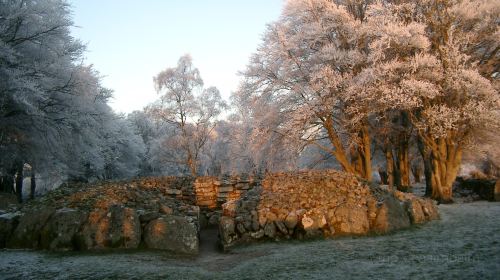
(189, 108)
(420, 68)
(53, 110)
(299, 78)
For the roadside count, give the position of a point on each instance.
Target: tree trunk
(426, 158)
(402, 157)
(339, 153)
(365, 153)
(446, 159)
(33, 184)
(6, 183)
(19, 183)
(403, 166)
(361, 155)
(390, 166)
(383, 176)
(356, 161)
(417, 172)
(192, 165)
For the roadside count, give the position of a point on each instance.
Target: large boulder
(419, 209)
(173, 233)
(415, 211)
(27, 232)
(8, 223)
(119, 227)
(391, 215)
(227, 230)
(60, 230)
(350, 220)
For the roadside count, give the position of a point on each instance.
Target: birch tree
(189, 108)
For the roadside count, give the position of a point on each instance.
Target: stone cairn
(164, 213)
(167, 213)
(318, 204)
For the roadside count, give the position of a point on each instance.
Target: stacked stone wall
(318, 204)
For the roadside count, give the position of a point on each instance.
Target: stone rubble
(167, 213)
(318, 204)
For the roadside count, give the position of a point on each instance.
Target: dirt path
(212, 258)
(209, 242)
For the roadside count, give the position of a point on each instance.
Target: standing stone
(415, 211)
(119, 227)
(173, 233)
(125, 227)
(391, 216)
(226, 230)
(60, 230)
(430, 209)
(27, 233)
(8, 223)
(351, 220)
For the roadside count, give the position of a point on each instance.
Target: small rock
(281, 227)
(258, 234)
(307, 222)
(291, 220)
(241, 228)
(214, 219)
(270, 230)
(166, 210)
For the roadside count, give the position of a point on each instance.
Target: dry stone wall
(148, 213)
(318, 204)
(168, 213)
(212, 192)
(159, 212)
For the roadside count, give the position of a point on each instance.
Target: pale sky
(130, 41)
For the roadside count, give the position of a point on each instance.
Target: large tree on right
(438, 86)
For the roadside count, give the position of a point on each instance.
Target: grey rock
(27, 233)
(391, 216)
(60, 230)
(281, 227)
(241, 228)
(270, 230)
(119, 227)
(226, 230)
(8, 222)
(258, 234)
(172, 233)
(214, 219)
